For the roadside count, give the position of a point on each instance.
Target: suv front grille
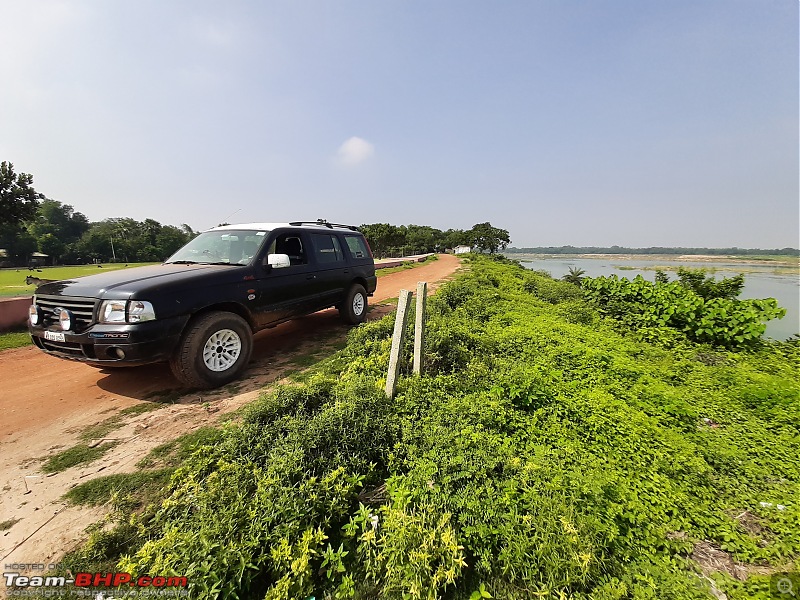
(81, 308)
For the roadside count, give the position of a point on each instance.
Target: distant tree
(456, 237)
(17, 242)
(490, 239)
(51, 245)
(575, 276)
(170, 239)
(56, 227)
(132, 241)
(661, 276)
(384, 237)
(18, 199)
(422, 238)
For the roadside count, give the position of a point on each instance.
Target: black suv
(200, 308)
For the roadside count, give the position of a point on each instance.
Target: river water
(760, 280)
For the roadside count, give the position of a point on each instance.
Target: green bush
(715, 319)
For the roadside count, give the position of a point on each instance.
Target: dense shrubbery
(544, 454)
(704, 310)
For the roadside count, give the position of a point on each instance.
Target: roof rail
(323, 223)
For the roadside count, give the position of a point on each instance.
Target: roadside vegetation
(406, 266)
(14, 339)
(552, 449)
(94, 442)
(697, 306)
(79, 454)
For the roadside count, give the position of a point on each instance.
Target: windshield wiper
(201, 262)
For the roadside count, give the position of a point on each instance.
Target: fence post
(419, 326)
(400, 322)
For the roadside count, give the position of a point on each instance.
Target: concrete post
(400, 322)
(419, 326)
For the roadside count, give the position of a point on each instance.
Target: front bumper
(114, 344)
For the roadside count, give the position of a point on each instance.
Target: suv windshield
(221, 247)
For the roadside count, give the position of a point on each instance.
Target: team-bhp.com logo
(96, 580)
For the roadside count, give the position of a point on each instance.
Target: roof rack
(323, 223)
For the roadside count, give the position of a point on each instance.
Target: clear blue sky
(587, 123)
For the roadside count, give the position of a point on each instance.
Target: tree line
(402, 240)
(32, 223)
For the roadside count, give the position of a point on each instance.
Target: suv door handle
(311, 277)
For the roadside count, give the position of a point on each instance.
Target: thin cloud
(214, 33)
(355, 151)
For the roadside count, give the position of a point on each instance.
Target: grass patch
(406, 266)
(6, 525)
(172, 454)
(102, 429)
(165, 396)
(14, 339)
(322, 349)
(305, 360)
(71, 457)
(12, 281)
(137, 486)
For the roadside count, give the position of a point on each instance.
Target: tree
(56, 227)
(575, 276)
(383, 237)
(17, 242)
(51, 245)
(133, 241)
(18, 199)
(18, 204)
(490, 239)
(456, 237)
(422, 238)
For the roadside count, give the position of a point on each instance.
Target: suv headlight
(121, 311)
(139, 310)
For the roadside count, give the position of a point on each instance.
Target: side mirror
(278, 261)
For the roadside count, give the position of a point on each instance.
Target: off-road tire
(234, 342)
(354, 308)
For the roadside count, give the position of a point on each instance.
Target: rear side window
(326, 248)
(357, 246)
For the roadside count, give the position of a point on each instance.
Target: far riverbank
(779, 279)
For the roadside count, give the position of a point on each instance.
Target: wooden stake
(400, 322)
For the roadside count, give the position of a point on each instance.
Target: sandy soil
(47, 402)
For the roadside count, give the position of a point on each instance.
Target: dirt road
(46, 402)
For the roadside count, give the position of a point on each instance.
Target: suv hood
(124, 283)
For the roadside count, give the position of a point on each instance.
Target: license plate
(54, 336)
